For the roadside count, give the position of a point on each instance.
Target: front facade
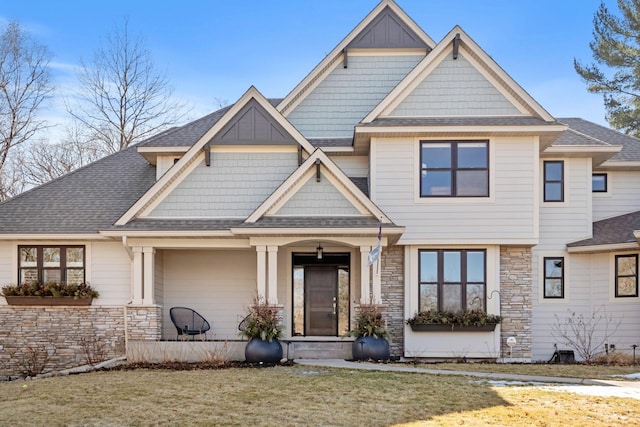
(478, 197)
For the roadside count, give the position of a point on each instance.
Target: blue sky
(218, 48)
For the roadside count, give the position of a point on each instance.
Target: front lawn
(295, 395)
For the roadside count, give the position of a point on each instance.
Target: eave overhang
(598, 154)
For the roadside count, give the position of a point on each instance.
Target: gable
(346, 95)
(253, 125)
(455, 87)
(386, 31)
(318, 198)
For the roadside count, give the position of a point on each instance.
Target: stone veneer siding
(516, 299)
(65, 333)
(144, 323)
(392, 281)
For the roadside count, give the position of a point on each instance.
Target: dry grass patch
(293, 395)
(543, 369)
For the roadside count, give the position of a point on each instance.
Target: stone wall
(45, 339)
(516, 299)
(42, 339)
(393, 296)
(144, 323)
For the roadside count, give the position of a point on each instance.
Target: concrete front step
(317, 349)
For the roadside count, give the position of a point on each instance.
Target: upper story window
(599, 182)
(452, 280)
(626, 275)
(454, 168)
(554, 181)
(554, 277)
(45, 264)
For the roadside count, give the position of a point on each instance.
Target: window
(626, 276)
(554, 181)
(454, 169)
(554, 277)
(46, 264)
(452, 280)
(599, 182)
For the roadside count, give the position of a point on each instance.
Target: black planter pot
(370, 348)
(259, 351)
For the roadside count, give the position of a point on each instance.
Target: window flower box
(48, 301)
(454, 327)
(453, 321)
(49, 294)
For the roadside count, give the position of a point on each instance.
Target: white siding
(455, 88)
(346, 95)
(509, 214)
(110, 273)
(6, 265)
(233, 186)
(219, 284)
(589, 291)
(623, 195)
(318, 198)
(354, 166)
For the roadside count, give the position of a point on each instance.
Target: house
(478, 196)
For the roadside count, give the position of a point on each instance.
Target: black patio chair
(188, 322)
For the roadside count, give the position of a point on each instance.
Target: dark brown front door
(321, 296)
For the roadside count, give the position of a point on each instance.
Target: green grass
(295, 395)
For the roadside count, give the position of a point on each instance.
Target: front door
(321, 300)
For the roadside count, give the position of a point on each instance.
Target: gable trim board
(304, 87)
(177, 173)
(483, 63)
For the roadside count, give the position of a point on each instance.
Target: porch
(315, 284)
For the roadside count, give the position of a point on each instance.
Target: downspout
(126, 316)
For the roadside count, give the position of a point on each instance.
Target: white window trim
(612, 279)
(565, 192)
(566, 274)
(453, 200)
(604, 194)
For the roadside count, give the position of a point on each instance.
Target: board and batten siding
(318, 198)
(110, 273)
(508, 215)
(622, 197)
(346, 95)
(233, 186)
(218, 284)
(455, 88)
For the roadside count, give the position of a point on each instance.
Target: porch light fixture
(319, 252)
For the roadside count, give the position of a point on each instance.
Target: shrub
(261, 322)
(369, 323)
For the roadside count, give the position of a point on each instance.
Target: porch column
(261, 278)
(136, 280)
(148, 266)
(364, 274)
(273, 274)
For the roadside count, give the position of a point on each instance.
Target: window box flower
(452, 321)
(49, 294)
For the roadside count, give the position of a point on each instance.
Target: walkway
(629, 389)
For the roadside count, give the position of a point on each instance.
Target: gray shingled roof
(572, 137)
(318, 222)
(614, 230)
(630, 145)
(152, 224)
(84, 201)
(459, 121)
(331, 142)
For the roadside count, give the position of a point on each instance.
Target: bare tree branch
(25, 84)
(123, 99)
